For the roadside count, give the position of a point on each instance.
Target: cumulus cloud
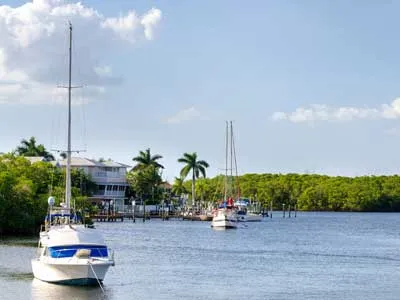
(34, 43)
(185, 115)
(346, 113)
(127, 27)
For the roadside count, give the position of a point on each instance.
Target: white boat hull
(224, 221)
(70, 270)
(250, 218)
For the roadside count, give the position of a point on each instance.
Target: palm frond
(185, 171)
(190, 156)
(202, 170)
(183, 160)
(157, 165)
(156, 157)
(203, 163)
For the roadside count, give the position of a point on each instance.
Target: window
(102, 187)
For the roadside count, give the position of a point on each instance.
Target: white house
(110, 177)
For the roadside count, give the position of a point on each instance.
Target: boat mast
(226, 163)
(231, 150)
(68, 167)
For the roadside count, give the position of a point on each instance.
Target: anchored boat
(225, 216)
(69, 252)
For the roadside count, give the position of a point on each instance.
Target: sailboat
(225, 216)
(70, 252)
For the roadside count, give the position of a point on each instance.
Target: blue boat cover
(69, 251)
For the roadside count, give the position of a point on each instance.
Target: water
(315, 256)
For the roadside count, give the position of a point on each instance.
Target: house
(110, 177)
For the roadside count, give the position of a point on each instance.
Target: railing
(108, 175)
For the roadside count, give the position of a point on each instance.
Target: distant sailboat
(225, 216)
(70, 252)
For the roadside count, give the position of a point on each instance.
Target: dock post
(283, 208)
(271, 210)
(295, 210)
(289, 210)
(144, 212)
(133, 202)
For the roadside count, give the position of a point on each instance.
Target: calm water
(315, 256)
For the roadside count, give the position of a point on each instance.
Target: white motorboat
(70, 252)
(245, 212)
(250, 217)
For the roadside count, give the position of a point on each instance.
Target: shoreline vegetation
(25, 187)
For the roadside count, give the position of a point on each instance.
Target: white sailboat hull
(224, 220)
(70, 271)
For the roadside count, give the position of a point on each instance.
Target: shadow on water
(44, 290)
(10, 275)
(19, 242)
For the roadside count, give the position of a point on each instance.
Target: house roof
(34, 159)
(86, 162)
(166, 185)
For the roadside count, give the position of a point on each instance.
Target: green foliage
(144, 181)
(25, 188)
(178, 188)
(30, 148)
(145, 177)
(312, 192)
(191, 163)
(145, 159)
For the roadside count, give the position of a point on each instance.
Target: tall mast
(68, 169)
(231, 146)
(226, 163)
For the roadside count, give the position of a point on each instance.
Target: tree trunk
(193, 189)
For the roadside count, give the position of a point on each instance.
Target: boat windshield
(69, 251)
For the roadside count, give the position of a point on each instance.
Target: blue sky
(311, 85)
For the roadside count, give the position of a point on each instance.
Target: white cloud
(150, 22)
(184, 115)
(127, 27)
(346, 113)
(33, 47)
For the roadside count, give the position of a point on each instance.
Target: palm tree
(178, 188)
(194, 165)
(145, 159)
(30, 148)
(145, 162)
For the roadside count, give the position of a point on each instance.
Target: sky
(311, 86)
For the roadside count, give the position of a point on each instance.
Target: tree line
(25, 187)
(309, 192)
